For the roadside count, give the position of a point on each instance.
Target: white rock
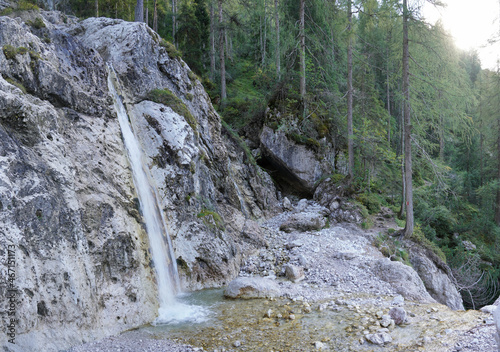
(294, 273)
(379, 338)
(488, 309)
(246, 287)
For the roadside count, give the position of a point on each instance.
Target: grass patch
(166, 97)
(9, 51)
(171, 49)
(37, 23)
(25, 5)
(392, 248)
(193, 77)
(211, 218)
(16, 83)
(419, 237)
(304, 140)
(7, 11)
(370, 201)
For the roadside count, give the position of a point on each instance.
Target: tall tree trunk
(96, 8)
(139, 11)
(155, 16)
(227, 42)
(388, 95)
(302, 53)
(350, 131)
(174, 21)
(223, 94)
(278, 62)
(441, 130)
(407, 125)
(212, 42)
(265, 35)
(146, 16)
(497, 210)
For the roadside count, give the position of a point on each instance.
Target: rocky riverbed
(329, 288)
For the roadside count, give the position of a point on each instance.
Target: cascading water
(170, 310)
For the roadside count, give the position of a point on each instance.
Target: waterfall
(167, 276)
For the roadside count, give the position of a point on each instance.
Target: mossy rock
(37, 23)
(16, 83)
(9, 51)
(211, 218)
(166, 97)
(171, 49)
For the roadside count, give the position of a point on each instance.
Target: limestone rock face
(297, 163)
(68, 206)
(436, 278)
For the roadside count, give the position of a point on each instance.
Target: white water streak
(160, 243)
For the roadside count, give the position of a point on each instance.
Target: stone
(319, 345)
(385, 321)
(252, 287)
(398, 301)
(435, 277)
(301, 206)
(297, 163)
(294, 273)
(469, 245)
(287, 205)
(237, 343)
(379, 338)
(304, 222)
(488, 309)
(403, 279)
(398, 314)
(253, 234)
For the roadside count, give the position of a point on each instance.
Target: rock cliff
(68, 207)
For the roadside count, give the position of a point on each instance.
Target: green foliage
(392, 248)
(16, 83)
(26, 5)
(9, 51)
(7, 11)
(211, 219)
(166, 97)
(419, 237)
(371, 201)
(37, 23)
(171, 49)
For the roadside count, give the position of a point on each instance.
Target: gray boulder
(398, 314)
(294, 273)
(403, 279)
(380, 338)
(252, 287)
(304, 222)
(436, 277)
(296, 162)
